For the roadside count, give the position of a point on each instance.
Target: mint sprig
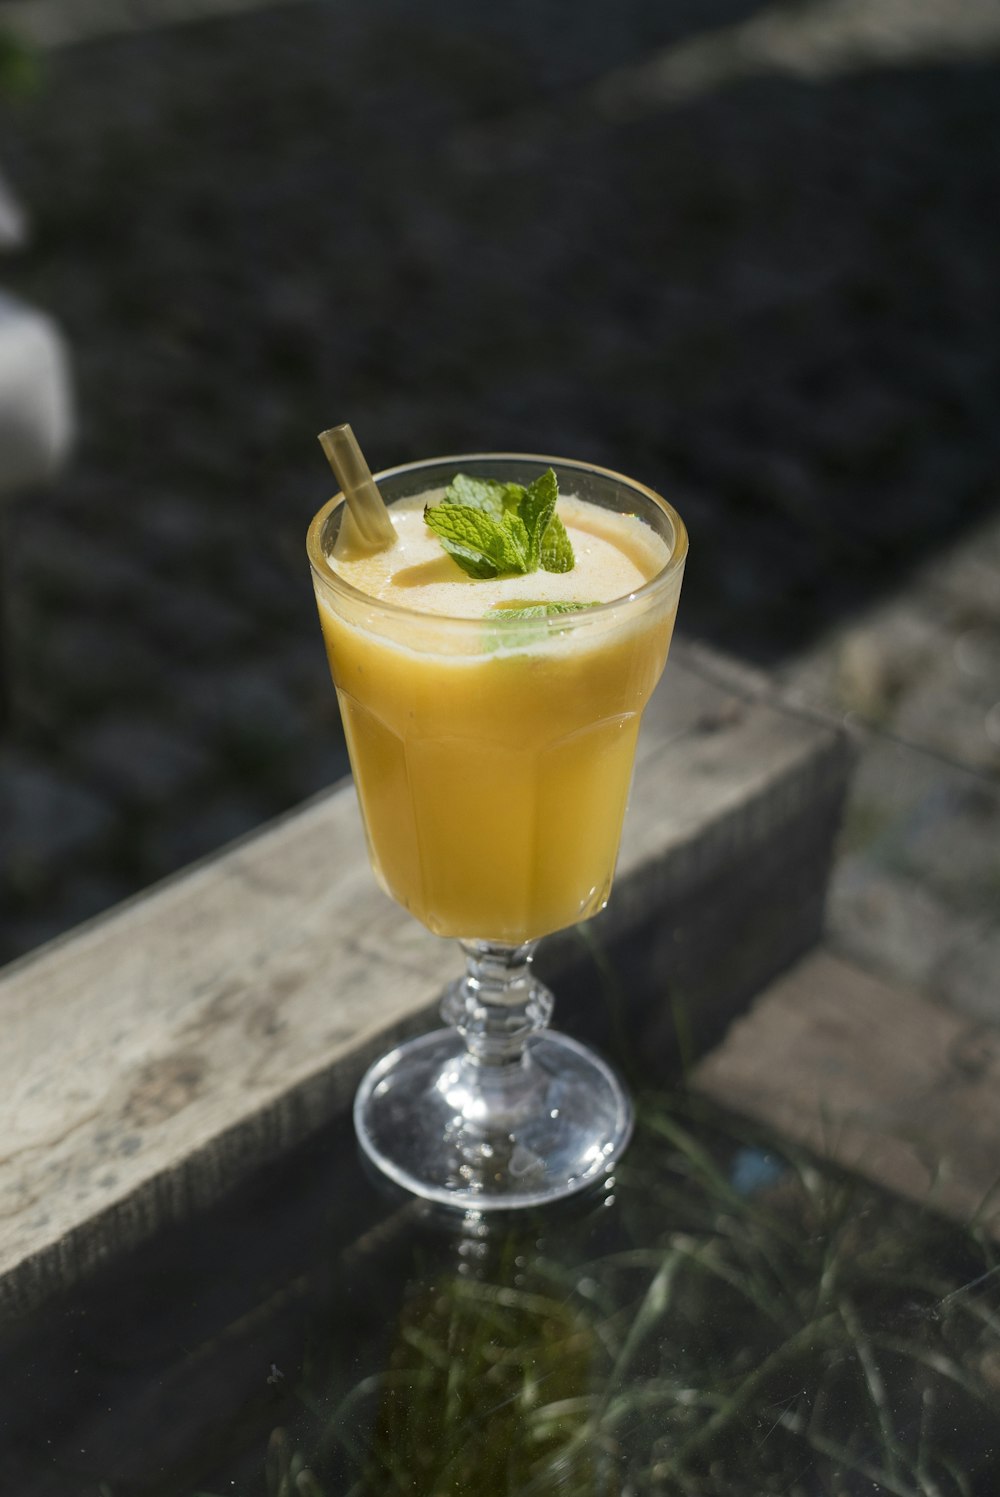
(491, 528)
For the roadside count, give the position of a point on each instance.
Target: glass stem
(498, 1004)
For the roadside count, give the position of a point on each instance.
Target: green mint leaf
(490, 527)
(536, 510)
(519, 541)
(534, 610)
(557, 548)
(496, 498)
(529, 629)
(482, 545)
(470, 562)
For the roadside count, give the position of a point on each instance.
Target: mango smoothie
(492, 749)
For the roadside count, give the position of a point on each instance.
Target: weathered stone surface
(873, 1077)
(924, 664)
(915, 890)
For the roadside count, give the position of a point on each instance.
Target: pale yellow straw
(371, 518)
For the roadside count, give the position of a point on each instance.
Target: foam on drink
(614, 555)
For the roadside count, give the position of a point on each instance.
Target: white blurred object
(13, 219)
(36, 405)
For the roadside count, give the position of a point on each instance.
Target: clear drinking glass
(492, 761)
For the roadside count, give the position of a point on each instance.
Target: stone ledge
(161, 1052)
(873, 1077)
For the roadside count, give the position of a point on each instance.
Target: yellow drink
(493, 756)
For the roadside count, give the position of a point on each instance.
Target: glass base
(455, 1129)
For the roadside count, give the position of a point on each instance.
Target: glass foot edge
(402, 1122)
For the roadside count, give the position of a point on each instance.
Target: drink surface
(614, 555)
(493, 767)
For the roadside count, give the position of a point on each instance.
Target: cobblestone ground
(776, 300)
(916, 889)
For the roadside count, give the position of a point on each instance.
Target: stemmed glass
(492, 762)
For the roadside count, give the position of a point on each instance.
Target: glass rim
(649, 591)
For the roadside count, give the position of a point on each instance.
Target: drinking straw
(374, 529)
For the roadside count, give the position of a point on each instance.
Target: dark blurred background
(746, 253)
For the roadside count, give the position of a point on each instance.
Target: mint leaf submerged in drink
(492, 528)
(533, 610)
(530, 616)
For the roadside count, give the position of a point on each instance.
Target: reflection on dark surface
(724, 1319)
